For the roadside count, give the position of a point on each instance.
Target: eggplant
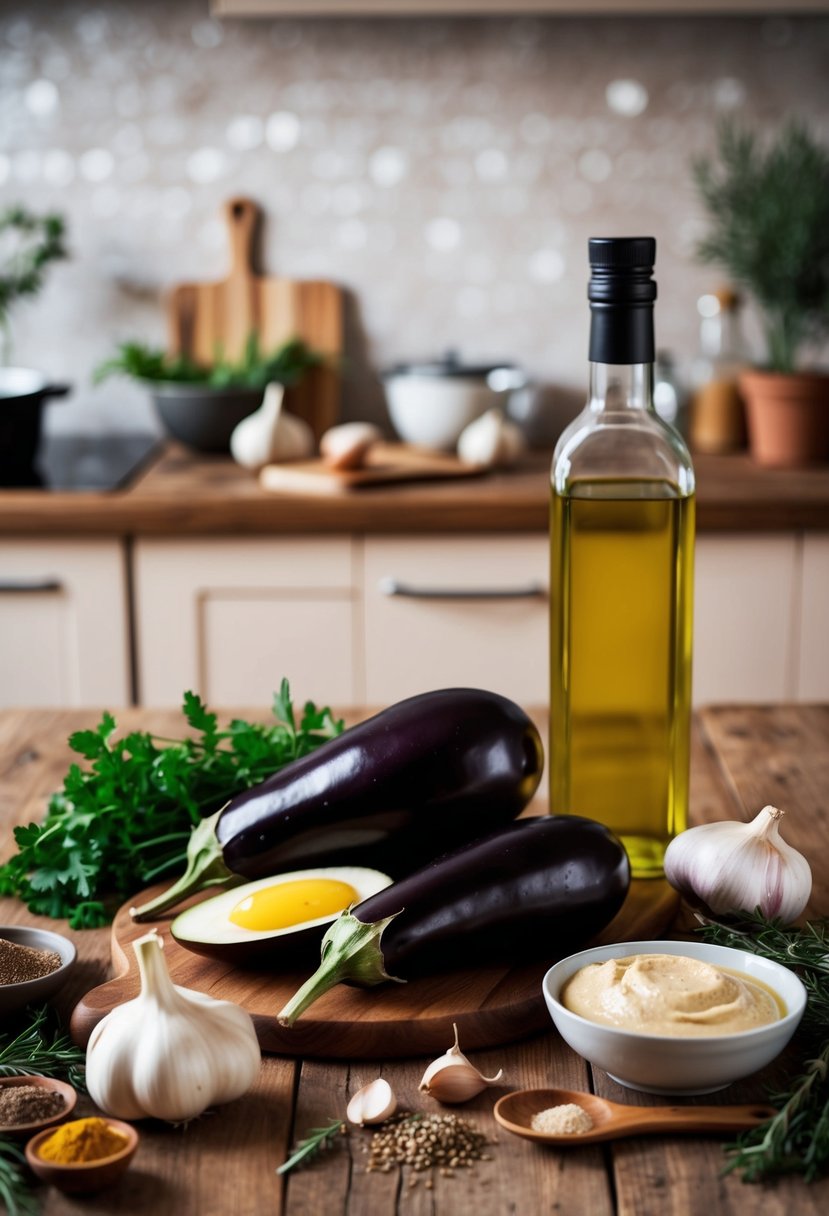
(537, 888)
(429, 773)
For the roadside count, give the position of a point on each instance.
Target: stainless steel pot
(22, 394)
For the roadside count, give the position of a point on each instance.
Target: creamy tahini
(669, 994)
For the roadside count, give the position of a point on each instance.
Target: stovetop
(90, 462)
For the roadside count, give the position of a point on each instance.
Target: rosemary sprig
(41, 1050)
(796, 1138)
(318, 1138)
(15, 1192)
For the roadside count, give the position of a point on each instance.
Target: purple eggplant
(430, 773)
(536, 888)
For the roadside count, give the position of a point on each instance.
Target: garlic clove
(731, 868)
(346, 446)
(374, 1103)
(491, 441)
(452, 1078)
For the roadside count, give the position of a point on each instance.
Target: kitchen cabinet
(813, 650)
(64, 621)
(229, 618)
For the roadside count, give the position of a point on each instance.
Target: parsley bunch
(126, 819)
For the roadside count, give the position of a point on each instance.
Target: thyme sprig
(317, 1139)
(796, 1139)
(43, 1050)
(16, 1194)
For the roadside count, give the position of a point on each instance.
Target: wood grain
(183, 493)
(210, 319)
(386, 464)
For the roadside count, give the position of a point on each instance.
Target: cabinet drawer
(230, 619)
(813, 684)
(456, 610)
(63, 623)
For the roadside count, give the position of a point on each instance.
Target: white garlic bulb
(270, 434)
(491, 441)
(451, 1078)
(171, 1052)
(374, 1103)
(347, 445)
(734, 867)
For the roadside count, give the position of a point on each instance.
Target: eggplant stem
(351, 950)
(205, 868)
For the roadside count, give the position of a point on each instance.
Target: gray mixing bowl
(200, 416)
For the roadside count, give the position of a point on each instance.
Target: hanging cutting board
(490, 1006)
(386, 464)
(207, 318)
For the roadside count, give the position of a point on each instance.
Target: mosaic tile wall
(446, 172)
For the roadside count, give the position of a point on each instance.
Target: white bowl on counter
(667, 1064)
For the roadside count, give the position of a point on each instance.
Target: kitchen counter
(224, 1162)
(182, 493)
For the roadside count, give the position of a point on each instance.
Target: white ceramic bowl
(662, 1064)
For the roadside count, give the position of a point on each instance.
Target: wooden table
(224, 1163)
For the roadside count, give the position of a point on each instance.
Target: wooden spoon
(612, 1120)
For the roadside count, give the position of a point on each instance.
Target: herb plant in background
(28, 244)
(254, 370)
(126, 819)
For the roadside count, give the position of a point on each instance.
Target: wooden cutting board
(490, 1006)
(204, 318)
(386, 464)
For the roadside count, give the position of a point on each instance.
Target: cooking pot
(431, 402)
(22, 393)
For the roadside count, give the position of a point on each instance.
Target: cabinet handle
(529, 591)
(15, 587)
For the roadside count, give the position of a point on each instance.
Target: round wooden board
(490, 1006)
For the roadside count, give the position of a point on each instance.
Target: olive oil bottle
(621, 585)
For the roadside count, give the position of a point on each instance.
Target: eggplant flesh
(536, 889)
(422, 776)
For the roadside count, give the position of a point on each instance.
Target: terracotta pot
(788, 417)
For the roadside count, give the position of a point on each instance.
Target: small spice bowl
(24, 1130)
(15, 996)
(83, 1177)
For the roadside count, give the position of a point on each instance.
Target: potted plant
(768, 211)
(201, 406)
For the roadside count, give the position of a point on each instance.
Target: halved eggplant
(429, 773)
(538, 888)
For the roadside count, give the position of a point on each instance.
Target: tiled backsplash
(447, 172)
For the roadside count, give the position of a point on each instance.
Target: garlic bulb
(736, 867)
(452, 1078)
(346, 446)
(171, 1052)
(374, 1103)
(271, 433)
(491, 441)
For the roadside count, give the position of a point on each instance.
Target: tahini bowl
(666, 1064)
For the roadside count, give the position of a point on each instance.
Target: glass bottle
(621, 587)
(717, 415)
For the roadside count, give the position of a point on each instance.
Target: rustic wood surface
(206, 318)
(181, 492)
(742, 758)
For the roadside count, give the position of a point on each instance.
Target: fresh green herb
(286, 365)
(42, 1049)
(127, 818)
(15, 1190)
(318, 1138)
(29, 242)
(796, 1139)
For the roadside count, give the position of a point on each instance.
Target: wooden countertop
(182, 493)
(224, 1162)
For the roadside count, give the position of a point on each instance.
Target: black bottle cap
(621, 294)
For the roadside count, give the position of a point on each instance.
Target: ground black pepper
(28, 1104)
(21, 963)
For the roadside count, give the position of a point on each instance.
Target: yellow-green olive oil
(621, 621)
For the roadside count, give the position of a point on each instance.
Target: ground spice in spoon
(21, 1104)
(21, 963)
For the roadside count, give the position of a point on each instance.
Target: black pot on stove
(23, 392)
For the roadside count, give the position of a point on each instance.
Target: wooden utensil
(210, 319)
(613, 1120)
(386, 464)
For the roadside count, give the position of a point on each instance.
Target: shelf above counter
(182, 493)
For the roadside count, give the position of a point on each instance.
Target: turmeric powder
(82, 1140)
